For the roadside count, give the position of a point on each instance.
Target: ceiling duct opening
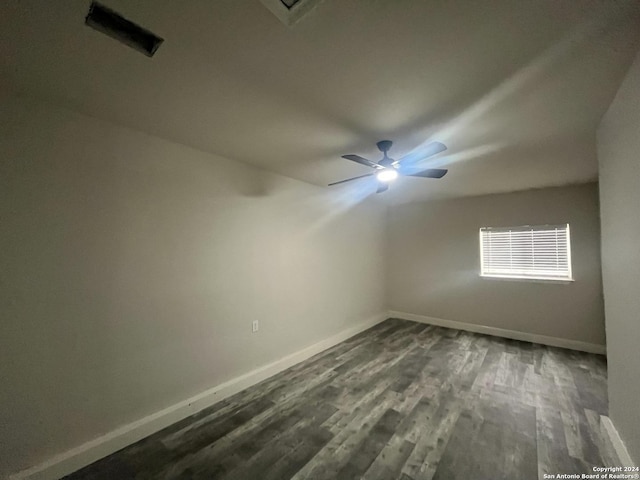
(289, 3)
(107, 21)
(290, 11)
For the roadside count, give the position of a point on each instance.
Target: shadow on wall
(329, 203)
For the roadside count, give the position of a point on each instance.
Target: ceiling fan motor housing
(384, 145)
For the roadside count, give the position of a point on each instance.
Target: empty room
(320, 239)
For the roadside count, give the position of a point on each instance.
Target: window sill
(528, 279)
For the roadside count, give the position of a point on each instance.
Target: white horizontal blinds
(537, 252)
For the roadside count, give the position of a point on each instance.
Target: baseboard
(501, 332)
(616, 441)
(89, 452)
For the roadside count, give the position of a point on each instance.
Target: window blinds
(526, 252)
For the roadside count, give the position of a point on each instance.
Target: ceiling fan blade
(350, 179)
(382, 187)
(361, 160)
(432, 149)
(429, 173)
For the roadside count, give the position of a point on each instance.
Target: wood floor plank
(432, 438)
(337, 453)
(371, 446)
(402, 400)
(389, 462)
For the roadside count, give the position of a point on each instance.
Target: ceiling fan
(388, 169)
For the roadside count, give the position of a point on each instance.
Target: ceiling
(514, 88)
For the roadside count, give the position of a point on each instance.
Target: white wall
(619, 160)
(434, 263)
(131, 269)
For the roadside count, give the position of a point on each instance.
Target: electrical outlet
(255, 326)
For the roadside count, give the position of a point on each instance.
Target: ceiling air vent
(290, 11)
(290, 3)
(116, 26)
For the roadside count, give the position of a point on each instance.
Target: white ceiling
(515, 88)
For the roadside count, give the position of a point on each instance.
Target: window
(538, 252)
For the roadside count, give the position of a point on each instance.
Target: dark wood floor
(400, 401)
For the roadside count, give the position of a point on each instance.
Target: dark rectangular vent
(116, 26)
(289, 3)
(290, 11)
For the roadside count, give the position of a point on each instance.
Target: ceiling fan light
(387, 175)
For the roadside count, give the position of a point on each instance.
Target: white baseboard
(501, 332)
(89, 452)
(616, 441)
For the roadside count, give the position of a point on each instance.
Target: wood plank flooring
(402, 400)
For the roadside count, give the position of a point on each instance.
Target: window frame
(531, 278)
